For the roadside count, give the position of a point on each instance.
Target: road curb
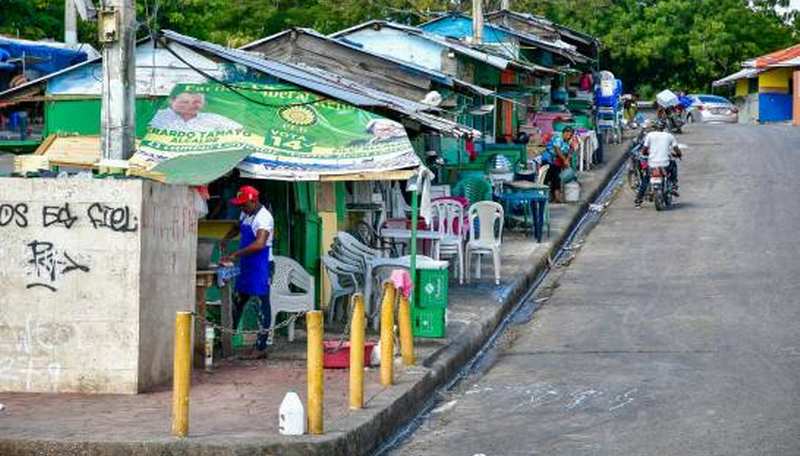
(367, 430)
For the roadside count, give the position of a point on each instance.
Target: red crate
(340, 359)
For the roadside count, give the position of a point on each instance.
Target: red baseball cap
(246, 193)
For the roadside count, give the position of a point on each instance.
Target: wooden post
(227, 319)
(204, 279)
(181, 374)
(796, 98)
(357, 330)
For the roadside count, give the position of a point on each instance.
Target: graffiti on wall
(46, 263)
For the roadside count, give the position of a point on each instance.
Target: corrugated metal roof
(328, 84)
(543, 21)
(746, 73)
(557, 47)
(456, 46)
(437, 76)
(780, 58)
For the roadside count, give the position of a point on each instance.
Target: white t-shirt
(660, 145)
(167, 119)
(261, 220)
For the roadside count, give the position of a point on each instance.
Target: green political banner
(269, 131)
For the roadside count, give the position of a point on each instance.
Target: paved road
(673, 333)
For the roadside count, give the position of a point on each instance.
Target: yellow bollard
(314, 353)
(406, 336)
(387, 335)
(181, 374)
(357, 330)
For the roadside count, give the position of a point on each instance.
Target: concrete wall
(167, 275)
(775, 81)
(742, 87)
(77, 313)
(748, 108)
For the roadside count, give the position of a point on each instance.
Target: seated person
(559, 156)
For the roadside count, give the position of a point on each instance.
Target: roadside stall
(272, 136)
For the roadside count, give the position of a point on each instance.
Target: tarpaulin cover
(40, 57)
(277, 132)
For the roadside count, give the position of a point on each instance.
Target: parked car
(712, 108)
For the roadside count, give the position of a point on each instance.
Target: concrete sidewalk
(234, 409)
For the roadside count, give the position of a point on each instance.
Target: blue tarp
(40, 58)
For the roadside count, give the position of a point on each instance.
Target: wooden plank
(74, 150)
(402, 174)
(326, 197)
(45, 145)
(30, 163)
(329, 229)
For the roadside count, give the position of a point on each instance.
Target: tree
(649, 44)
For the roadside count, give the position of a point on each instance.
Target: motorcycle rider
(659, 147)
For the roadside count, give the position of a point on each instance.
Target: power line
(236, 89)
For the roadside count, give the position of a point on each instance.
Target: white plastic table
(426, 235)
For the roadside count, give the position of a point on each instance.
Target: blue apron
(254, 276)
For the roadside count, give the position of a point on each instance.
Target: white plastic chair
(541, 173)
(448, 216)
(487, 238)
(342, 279)
(283, 298)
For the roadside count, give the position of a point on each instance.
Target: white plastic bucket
(572, 192)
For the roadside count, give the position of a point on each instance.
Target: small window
(752, 85)
(712, 99)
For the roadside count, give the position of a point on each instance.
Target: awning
(746, 73)
(268, 131)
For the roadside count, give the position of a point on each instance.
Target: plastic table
(534, 199)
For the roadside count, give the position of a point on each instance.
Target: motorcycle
(637, 163)
(674, 119)
(662, 188)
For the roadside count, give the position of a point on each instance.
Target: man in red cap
(255, 231)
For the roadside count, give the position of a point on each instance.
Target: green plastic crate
(430, 291)
(249, 322)
(430, 323)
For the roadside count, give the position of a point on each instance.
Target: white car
(712, 109)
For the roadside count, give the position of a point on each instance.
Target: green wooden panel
(487, 76)
(82, 117)
(341, 203)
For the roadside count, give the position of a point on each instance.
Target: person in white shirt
(659, 147)
(184, 114)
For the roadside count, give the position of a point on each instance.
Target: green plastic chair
(474, 189)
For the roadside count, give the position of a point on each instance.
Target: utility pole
(70, 23)
(116, 25)
(505, 5)
(477, 21)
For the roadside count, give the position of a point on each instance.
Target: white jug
(291, 415)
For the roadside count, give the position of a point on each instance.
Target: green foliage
(681, 44)
(650, 44)
(33, 19)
